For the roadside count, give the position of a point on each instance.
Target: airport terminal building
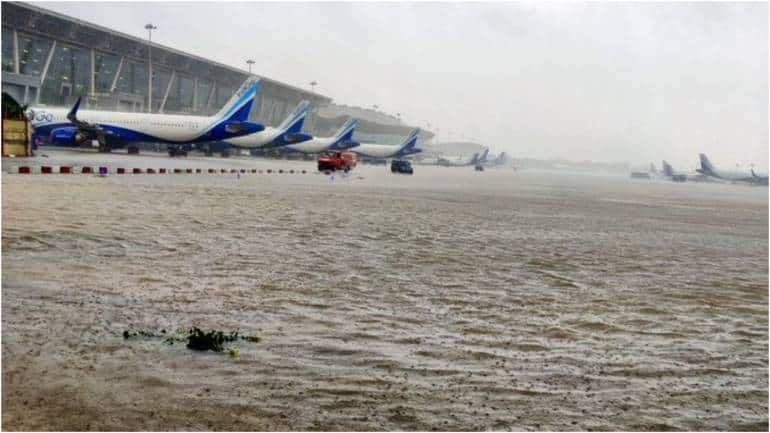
(51, 59)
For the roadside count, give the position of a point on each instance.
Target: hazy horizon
(636, 82)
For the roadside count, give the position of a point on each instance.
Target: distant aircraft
(668, 172)
(708, 169)
(342, 139)
(653, 169)
(288, 132)
(758, 179)
(383, 151)
(500, 160)
(483, 157)
(113, 130)
(458, 162)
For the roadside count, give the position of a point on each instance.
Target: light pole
(312, 86)
(149, 28)
(250, 62)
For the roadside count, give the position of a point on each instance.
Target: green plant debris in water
(197, 339)
(233, 352)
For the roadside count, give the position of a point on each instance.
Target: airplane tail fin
(411, 140)
(237, 109)
(73, 114)
(293, 123)
(343, 138)
(501, 158)
(345, 133)
(653, 169)
(483, 157)
(706, 167)
(667, 169)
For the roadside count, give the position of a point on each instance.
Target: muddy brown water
(448, 300)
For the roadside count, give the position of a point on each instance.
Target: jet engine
(68, 136)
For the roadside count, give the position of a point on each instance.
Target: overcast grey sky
(635, 82)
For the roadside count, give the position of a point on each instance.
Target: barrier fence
(102, 170)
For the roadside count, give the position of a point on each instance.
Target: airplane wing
(88, 129)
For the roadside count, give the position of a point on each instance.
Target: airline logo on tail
(408, 146)
(667, 169)
(239, 106)
(294, 122)
(343, 139)
(483, 157)
(706, 167)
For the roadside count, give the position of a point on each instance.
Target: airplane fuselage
(733, 176)
(131, 126)
(446, 162)
(74, 126)
(316, 145)
(259, 139)
(372, 150)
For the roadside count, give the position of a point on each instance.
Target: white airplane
(383, 151)
(500, 160)
(671, 174)
(110, 129)
(483, 157)
(342, 139)
(708, 169)
(452, 162)
(288, 132)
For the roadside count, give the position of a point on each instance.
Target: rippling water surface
(446, 300)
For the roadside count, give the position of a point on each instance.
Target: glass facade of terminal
(69, 76)
(49, 59)
(9, 63)
(110, 81)
(133, 78)
(105, 68)
(54, 72)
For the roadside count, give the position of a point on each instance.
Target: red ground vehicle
(332, 161)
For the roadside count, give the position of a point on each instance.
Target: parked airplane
(483, 157)
(108, 130)
(384, 151)
(497, 162)
(341, 140)
(288, 132)
(446, 162)
(758, 179)
(708, 169)
(669, 173)
(654, 170)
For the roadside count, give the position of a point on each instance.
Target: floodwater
(448, 300)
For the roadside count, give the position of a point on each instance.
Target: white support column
(195, 95)
(168, 89)
(45, 72)
(114, 85)
(93, 71)
(16, 67)
(211, 95)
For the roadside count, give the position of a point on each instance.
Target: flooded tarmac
(448, 300)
